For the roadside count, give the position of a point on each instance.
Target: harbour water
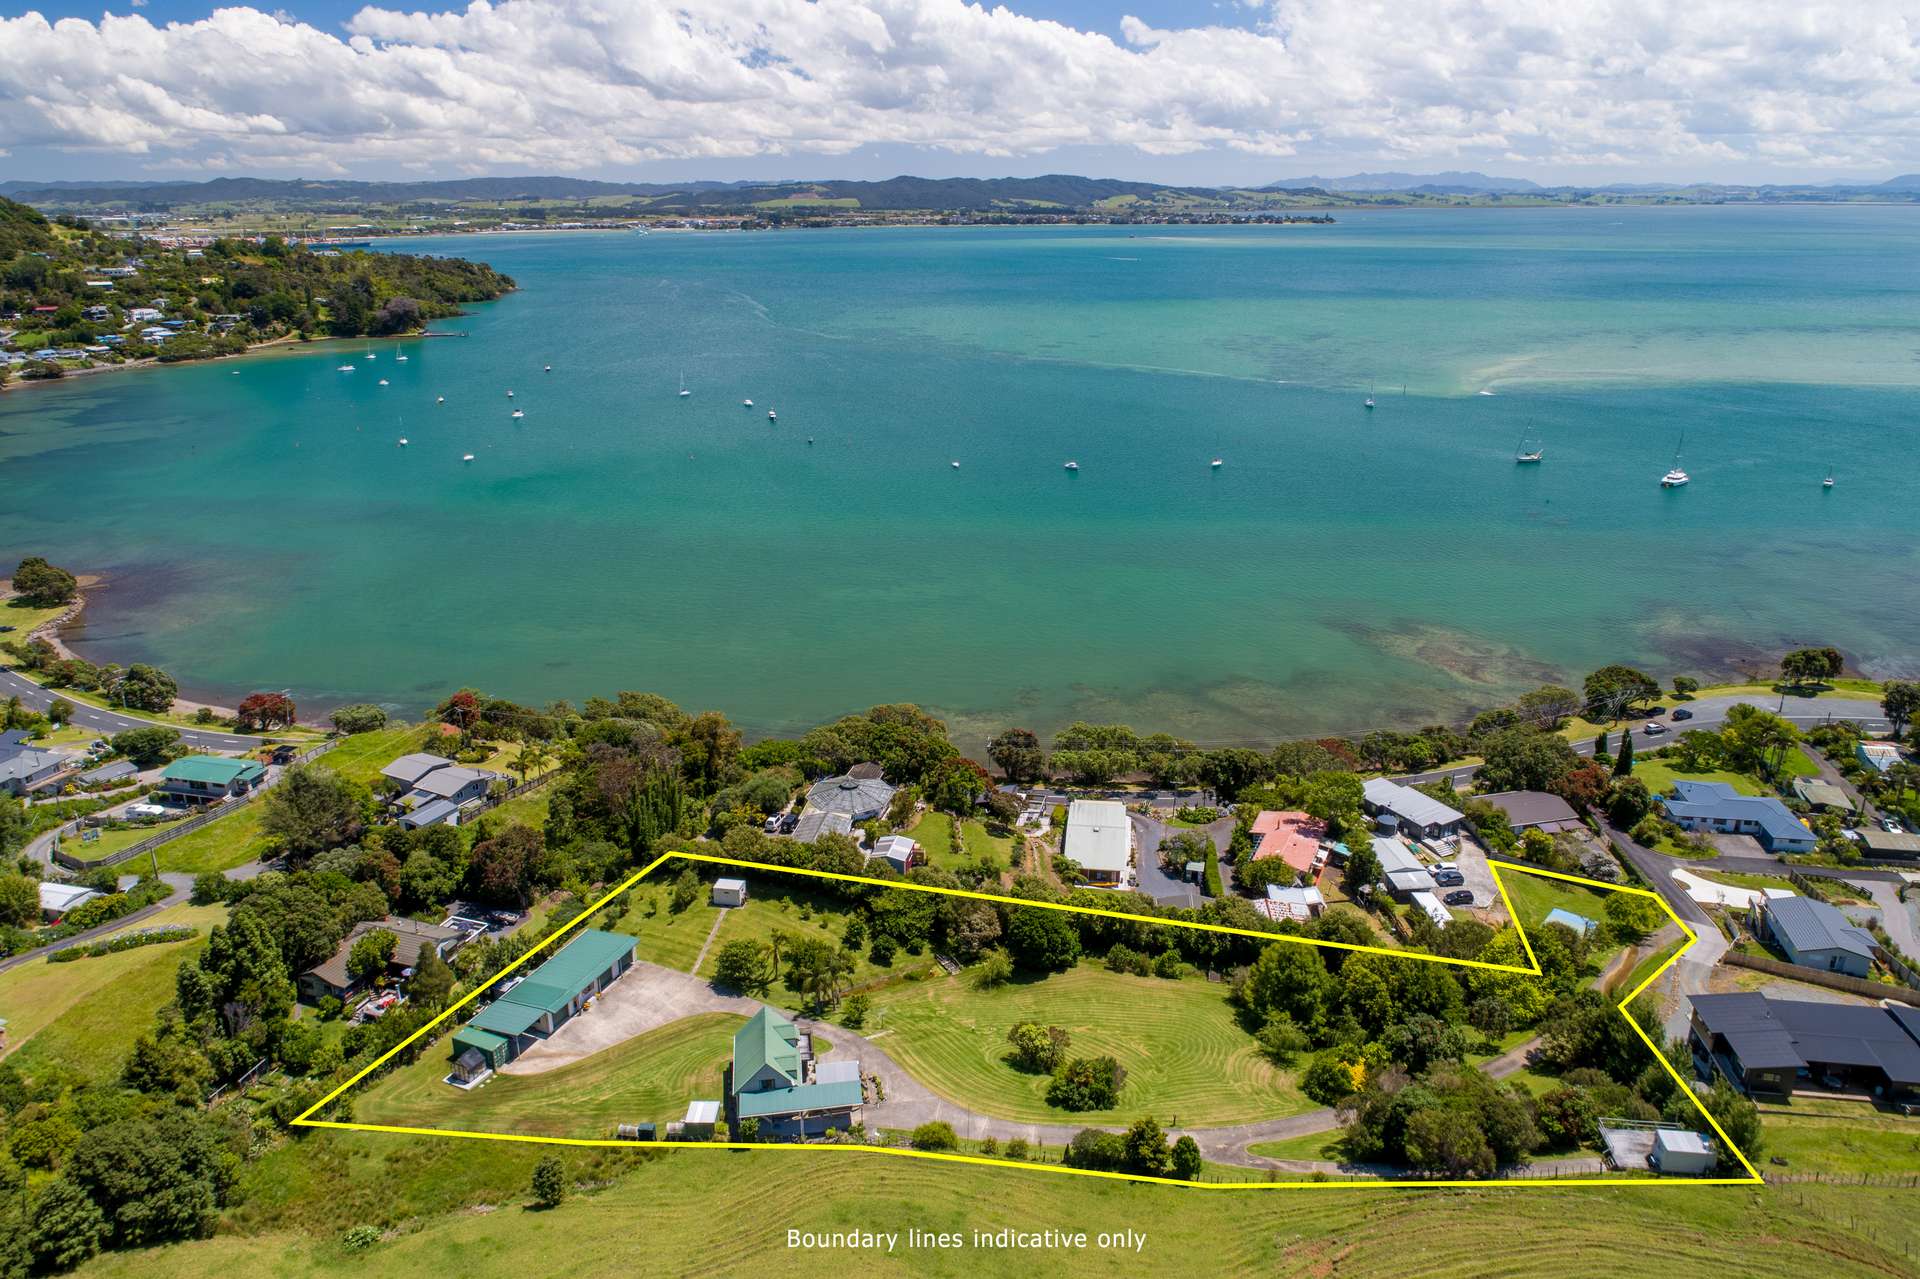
(1342, 569)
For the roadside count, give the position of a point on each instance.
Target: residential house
(407, 771)
(119, 770)
(1717, 807)
(1770, 1047)
(57, 899)
(1535, 810)
(1403, 870)
(1292, 837)
(899, 852)
(1822, 797)
(24, 768)
(330, 976)
(1887, 845)
(1413, 812)
(1099, 839)
(861, 794)
(1813, 934)
(774, 1079)
(209, 779)
(814, 823)
(440, 795)
(1879, 756)
(542, 1002)
(143, 314)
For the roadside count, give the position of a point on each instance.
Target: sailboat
(1675, 477)
(370, 354)
(1369, 395)
(1828, 482)
(746, 404)
(1523, 454)
(684, 392)
(401, 358)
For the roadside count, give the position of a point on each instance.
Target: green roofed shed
(557, 983)
(505, 1017)
(213, 770)
(487, 1044)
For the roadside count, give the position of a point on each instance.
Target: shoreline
(274, 345)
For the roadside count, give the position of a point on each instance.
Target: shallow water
(1342, 569)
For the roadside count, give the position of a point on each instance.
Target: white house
(57, 899)
(1099, 839)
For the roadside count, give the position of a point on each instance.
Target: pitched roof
(1291, 836)
(768, 1039)
(504, 1017)
(556, 983)
(215, 770)
(429, 813)
(407, 934)
(1407, 803)
(812, 825)
(409, 769)
(788, 1101)
(1791, 1033)
(1097, 835)
(1394, 855)
(111, 772)
(1809, 925)
(1718, 801)
(897, 850)
(446, 782)
(851, 794)
(60, 898)
(1534, 808)
(25, 765)
(1822, 794)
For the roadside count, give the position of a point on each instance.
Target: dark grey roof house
(1813, 934)
(1535, 810)
(1771, 1046)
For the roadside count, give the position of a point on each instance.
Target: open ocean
(1343, 569)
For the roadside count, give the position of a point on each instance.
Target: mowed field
(650, 1078)
(461, 1207)
(85, 1014)
(1185, 1056)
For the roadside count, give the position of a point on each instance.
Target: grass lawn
(362, 756)
(1534, 896)
(109, 842)
(665, 938)
(234, 840)
(24, 619)
(982, 846)
(1184, 1054)
(1314, 1145)
(773, 905)
(528, 810)
(463, 1206)
(1646, 968)
(1660, 775)
(649, 1078)
(934, 833)
(1867, 1142)
(86, 1014)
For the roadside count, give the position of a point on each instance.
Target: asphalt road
(35, 697)
(1710, 713)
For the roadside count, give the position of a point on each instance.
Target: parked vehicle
(1448, 878)
(789, 823)
(1681, 712)
(1890, 826)
(1655, 728)
(1463, 897)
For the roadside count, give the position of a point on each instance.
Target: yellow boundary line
(1753, 1177)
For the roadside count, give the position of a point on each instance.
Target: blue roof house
(1717, 807)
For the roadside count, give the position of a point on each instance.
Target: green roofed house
(532, 1007)
(774, 1079)
(209, 779)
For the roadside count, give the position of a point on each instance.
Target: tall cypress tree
(1623, 762)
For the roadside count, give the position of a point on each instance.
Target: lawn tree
(1038, 1049)
(1042, 940)
(817, 969)
(19, 901)
(313, 809)
(1146, 1146)
(1685, 686)
(1612, 691)
(1524, 758)
(145, 688)
(1698, 750)
(1186, 1159)
(1900, 703)
(146, 747)
(1017, 753)
(1548, 706)
(1631, 917)
(1757, 740)
(42, 585)
(59, 712)
(1804, 666)
(502, 869)
(260, 711)
(549, 1182)
(744, 965)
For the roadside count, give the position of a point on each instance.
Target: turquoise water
(1341, 570)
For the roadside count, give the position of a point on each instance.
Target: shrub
(549, 1182)
(360, 1238)
(1087, 1083)
(1017, 1148)
(937, 1135)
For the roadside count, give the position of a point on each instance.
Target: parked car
(773, 824)
(789, 823)
(1681, 712)
(1448, 878)
(1438, 867)
(1462, 897)
(1655, 728)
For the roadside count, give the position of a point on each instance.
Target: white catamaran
(1675, 477)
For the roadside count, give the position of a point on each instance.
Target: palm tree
(533, 757)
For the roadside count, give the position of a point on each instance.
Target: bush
(1125, 959)
(1087, 1083)
(549, 1182)
(360, 1238)
(1038, 1049)
(360, 718)
(1330, 1078)
(1017, 1148)
(937, 1135)
(1096, 1148)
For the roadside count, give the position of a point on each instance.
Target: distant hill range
(1055, 192)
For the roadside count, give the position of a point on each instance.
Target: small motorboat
(403, 441)
(344, 368)
(509, 395)
(440, 399)
(1073, 466)
(1215, 464)
(466, 457)
(383, 381)
(772, 416)
(548, 368)
(519, 413)
(956, 466)
(746, 404)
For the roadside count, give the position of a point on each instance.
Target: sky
(1204, 92)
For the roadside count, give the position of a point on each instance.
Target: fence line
(1820, 977)
(187, 827)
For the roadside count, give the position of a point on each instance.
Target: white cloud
(563, 85)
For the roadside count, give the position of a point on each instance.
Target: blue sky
(1218, 91)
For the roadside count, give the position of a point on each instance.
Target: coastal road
(1693, 973)
(1710, 713)
(37, 697)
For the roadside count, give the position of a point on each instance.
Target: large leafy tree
(259, 711)
(153, 1179)
(1612, 691)
(42, 585)
(146, 747)
(313, 809)
(1805, 666)
(1900, 703)
(1017, 753)
(145, 688)
(502, 868)
(1524, 758)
